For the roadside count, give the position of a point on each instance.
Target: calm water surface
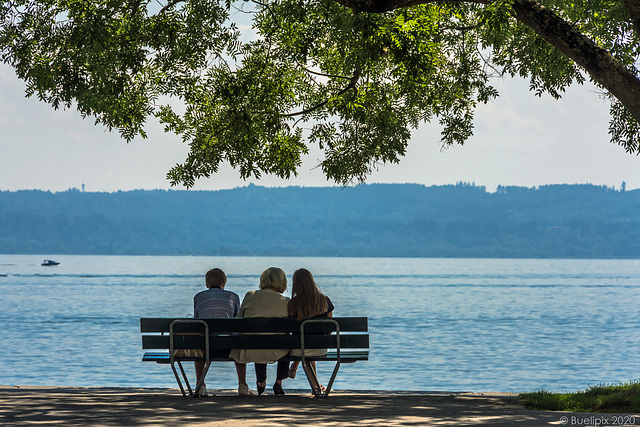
(435, 324)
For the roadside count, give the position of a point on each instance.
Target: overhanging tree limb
(633, 7)
(379, 6)
(598, 62)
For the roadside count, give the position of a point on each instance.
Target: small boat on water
(49, 262)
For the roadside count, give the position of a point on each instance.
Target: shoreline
(116, 406)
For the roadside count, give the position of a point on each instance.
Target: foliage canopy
(352, 76)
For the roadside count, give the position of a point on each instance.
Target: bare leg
(241, 371)
(199, 375)
(199, 369)
(243, 388)
(293, 369)
(311, 366)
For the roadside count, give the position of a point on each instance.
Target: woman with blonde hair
(307, 302)
(268, 301)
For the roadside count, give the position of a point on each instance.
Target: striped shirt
(216, 302)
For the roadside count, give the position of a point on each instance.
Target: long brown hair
(306, 299)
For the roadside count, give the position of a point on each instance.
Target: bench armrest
(192, 321)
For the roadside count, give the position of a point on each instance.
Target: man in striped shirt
(217, 302)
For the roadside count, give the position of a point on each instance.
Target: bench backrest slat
(255, 324)
(256, 341)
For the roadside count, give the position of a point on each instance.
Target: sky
(519, 139)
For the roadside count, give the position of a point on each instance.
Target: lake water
(435, 324)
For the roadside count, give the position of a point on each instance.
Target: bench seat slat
(345, 357)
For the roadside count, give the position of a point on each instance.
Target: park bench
(345, 338)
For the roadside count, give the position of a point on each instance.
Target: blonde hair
(306, 299)
(274, 277)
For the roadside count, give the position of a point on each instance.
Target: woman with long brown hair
(307, 302)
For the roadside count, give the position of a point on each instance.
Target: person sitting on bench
(218, 302)
(307, 302)
(266, 302)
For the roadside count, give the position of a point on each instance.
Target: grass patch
(619, 398)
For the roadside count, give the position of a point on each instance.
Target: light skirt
(309, 352)
(257, 356)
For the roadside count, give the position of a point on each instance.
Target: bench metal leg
(333, 378)
(314, 382)
(199, 384)
(173, 361)
(315, 388)
(184, 375)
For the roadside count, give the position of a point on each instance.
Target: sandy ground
(79, 406)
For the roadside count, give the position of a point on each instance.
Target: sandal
(292, 372)
(277, 390)
(317, 391)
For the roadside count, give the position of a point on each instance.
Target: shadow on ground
(21, 405)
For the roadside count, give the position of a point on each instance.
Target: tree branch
(134, 7)
(633, 7)
(169, 5)
(351, 85)
(331, 76)
(598, 62)
(379, 6)
(266, 5)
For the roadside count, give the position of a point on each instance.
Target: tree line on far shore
(377, 220)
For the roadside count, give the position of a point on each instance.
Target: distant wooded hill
(386, 220)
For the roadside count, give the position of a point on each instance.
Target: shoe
(319, 391)
(292, 372)
(277, 390)
(203, 391)
(260, 388)
(244, 390)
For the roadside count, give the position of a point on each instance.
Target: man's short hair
(215, 278)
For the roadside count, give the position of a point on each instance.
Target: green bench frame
(207, 334)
